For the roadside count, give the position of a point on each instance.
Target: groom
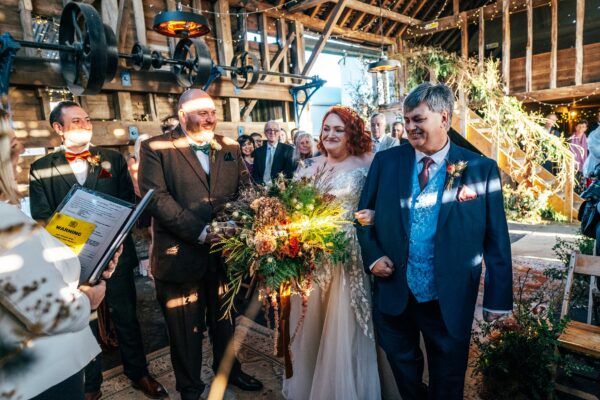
(436, 220)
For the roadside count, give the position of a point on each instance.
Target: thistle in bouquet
(286, 229)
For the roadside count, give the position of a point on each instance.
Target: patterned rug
(254, 348)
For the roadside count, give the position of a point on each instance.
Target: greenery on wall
(512, 127)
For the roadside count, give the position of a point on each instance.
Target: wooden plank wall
(565, 69)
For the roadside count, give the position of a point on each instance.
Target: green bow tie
(205, 148)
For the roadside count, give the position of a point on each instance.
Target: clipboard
(94, 225)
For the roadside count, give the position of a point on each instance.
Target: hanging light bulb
(181, 24)
(383, 64)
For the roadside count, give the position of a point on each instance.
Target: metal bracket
(8, 50)
(315, 84)
(215, 73)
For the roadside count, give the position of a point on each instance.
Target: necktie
(205, 148)
(74, 156)
(424, 174)
(268, 164)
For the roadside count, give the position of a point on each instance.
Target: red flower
(292, 247)
(104, 174)
(450, 168)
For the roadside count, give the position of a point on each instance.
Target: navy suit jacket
(282, 162)
(467, 233)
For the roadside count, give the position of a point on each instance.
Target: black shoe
(246, 382)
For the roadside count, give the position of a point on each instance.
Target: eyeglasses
(271, 130)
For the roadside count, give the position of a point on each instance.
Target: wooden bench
(579, 337)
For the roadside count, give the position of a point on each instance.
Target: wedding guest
(247, 146)
(579, 148)
(594, 124)
(294, 133)
(303, 147)
(258, 139)
(50, 364)
(426, 275)
(194, 173)
(397, 130)
(551, 126)
(50, 179)
(273, 159)
(381, 140)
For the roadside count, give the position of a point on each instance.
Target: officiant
(105, 171)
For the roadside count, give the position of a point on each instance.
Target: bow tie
(205, 148)
(74, 156)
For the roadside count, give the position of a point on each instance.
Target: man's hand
(489, 316)
(94, 293)
(112, 264)
(383, 268)
(365, 217)
(220, 230)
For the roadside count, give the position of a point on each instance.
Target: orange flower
(264, 243)
(292, 247)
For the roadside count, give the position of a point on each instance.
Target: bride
(334, 352)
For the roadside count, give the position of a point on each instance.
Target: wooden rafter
(414, 14)
(314, 24)
(305, 5)
(25, 9)
(553, 42)
(320, 45)
(360, 17)
(140, 22)
(314, 12)
(579, 42)
(451, 22)
(345, 16)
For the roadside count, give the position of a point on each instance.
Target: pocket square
(104, 174)
(229, 157)
(465, 193)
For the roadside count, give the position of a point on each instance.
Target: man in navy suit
(438, 215)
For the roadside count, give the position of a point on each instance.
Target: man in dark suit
(272, 158)
(103, 170)
(194, 173)
(438, 214)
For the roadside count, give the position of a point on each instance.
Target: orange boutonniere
(214, 147)
(94, 161)
(454, 171)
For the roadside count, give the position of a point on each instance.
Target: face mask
(79, 137)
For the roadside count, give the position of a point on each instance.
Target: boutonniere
(94, 161)
(454, 171)
(105, 171)
(214, 147)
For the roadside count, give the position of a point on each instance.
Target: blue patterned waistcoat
(424, 211)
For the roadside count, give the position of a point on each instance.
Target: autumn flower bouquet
(286, 229)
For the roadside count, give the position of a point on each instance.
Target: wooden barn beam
(455, 7)
(110, 14)
(481, 47)
(529, 48)
(579, 42)
(315, 12)
(172, 6)
(312, 23)
(320, 45)
(464, 36)
(25, 9)
(284, 44)
(225, 52)
(553, 43)
(564, 93)
(301, 6)
(414, 14)
(123, 26)
(506, 44)
(140, 22)
(452, 21)
(298, 48)
(36, 72)
(264, 45)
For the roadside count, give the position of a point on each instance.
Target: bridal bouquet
(286, 229)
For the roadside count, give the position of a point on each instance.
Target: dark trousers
(188, 308)
(446, 356)
(121, 300)
(69, 389)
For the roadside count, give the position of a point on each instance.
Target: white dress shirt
(79, 166)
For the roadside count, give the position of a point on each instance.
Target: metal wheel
(85, 69)
(112, 54)
(140, 57)
(195, 62)
(246, 72)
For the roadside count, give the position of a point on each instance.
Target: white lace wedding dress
(334, 353)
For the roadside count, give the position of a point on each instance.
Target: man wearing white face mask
(103, 170)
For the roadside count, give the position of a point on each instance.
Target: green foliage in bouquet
(285, 230)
